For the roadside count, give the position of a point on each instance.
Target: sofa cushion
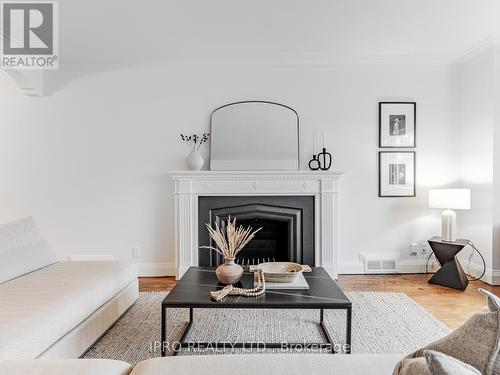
(412, 366)
(434, 363)
(64, 367)
(39, 308)
(442, 364)
(22, 250)
(269, 364)
(476, 342)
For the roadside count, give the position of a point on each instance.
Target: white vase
(195, 161)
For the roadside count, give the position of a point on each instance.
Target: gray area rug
(383, 322)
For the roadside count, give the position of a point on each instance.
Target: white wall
(479, 118)
(475, 150)
(496, 167)
(89, 161)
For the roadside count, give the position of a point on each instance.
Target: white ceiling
(158, 32)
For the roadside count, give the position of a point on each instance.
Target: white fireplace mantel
(189, 185)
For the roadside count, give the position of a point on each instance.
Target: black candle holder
(314, 164)
(322, 161)
(325, 159)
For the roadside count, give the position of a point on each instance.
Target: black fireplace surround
(287, 223)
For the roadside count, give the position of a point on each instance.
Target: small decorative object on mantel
(322, 160)
(229, 243)
(314, 163)
(194, 160)
(325, 160)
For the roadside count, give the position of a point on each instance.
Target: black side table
(451, 273)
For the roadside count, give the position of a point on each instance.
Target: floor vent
(385, 262)
(373, 265)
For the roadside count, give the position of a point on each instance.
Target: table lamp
(449, 200)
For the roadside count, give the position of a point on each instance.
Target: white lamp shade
(453, 199)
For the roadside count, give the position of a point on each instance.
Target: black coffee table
(193, 291)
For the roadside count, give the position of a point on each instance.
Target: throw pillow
(442, 364)
(412, 366)
(476, 342)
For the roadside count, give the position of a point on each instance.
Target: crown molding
(306, 63)
(31, 82)
(488, 45)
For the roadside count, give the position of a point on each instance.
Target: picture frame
(397, 173)
(397, 124)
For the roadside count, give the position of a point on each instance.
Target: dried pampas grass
(230, 243)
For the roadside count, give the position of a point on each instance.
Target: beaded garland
(234, 291)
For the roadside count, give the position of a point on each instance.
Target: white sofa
(246, 364)
(64, 367)
(53, 309)
(271, 364)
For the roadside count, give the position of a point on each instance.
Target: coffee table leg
(325, 331)
(190, 323)
(182, 342)
(348, 330)
(163, 330)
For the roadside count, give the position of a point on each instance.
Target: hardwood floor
(450, 306)
(156, 284)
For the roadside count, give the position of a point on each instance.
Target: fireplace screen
(272, 243)
(287, 227)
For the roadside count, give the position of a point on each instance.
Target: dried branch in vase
(195, 141)
(232, 241)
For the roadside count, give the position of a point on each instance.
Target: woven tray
(281, 272)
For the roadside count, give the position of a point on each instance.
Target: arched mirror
(254, 135)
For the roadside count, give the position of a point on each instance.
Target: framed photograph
(397, 124)
(396, 171)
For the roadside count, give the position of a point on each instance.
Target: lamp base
(448, 226)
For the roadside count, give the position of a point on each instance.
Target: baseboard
(403, 266)
(475, 269)
(90, 257)
(156, 269)
(144, 269)
(495, 277)
(491, 276)
(413, 265)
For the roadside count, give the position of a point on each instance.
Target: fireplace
(297, 209)
(287, 224)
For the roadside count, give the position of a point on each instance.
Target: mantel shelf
(204, 175)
